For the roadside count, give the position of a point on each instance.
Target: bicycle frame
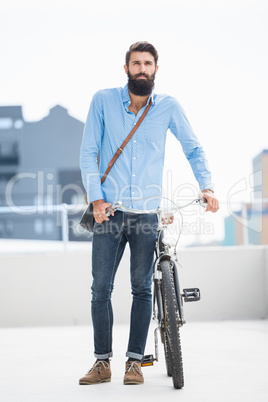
(193, 294)
(164, 261)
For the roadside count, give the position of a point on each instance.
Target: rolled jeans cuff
(134, 355)
(105, 356)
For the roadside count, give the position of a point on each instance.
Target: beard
(140, 87)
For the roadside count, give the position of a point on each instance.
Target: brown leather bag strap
(120, 149)
(130, 135)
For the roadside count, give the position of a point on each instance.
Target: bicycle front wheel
(171, 324)
(167, 352)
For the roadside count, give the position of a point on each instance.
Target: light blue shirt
(138, 171)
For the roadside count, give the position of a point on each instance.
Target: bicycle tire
(171, 323)
(167, 352)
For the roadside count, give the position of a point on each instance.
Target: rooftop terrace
(46, 339)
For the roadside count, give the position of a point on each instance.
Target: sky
(212, 57)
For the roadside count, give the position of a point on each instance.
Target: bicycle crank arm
(148, 360)
(191, 294)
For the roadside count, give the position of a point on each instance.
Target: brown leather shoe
(133, 374)
(100, 372)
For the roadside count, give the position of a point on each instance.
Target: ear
(156, 69)
(125, 68)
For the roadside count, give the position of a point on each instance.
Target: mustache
(140, 75)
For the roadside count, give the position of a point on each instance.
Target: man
(136, 174)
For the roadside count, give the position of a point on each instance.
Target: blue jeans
(109, 241)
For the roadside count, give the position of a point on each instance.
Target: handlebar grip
(203, 202)
(113, 208)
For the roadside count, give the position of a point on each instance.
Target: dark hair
(142, 47)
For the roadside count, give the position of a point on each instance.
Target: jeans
(109, 241)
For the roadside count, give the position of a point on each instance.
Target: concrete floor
(223, 361)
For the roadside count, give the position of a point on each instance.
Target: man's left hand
(213, 203)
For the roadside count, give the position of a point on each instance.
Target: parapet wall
(51, 288)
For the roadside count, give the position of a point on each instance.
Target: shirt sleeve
(90, 146)
(181, 128)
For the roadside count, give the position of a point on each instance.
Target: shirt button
(133, 174)
(134, 157)
(134, 140)
(133, 192)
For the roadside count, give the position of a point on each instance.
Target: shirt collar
(126, 97)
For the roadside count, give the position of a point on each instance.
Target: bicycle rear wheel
(171, 324)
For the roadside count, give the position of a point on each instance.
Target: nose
(143, 69)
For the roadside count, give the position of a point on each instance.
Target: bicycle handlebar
(118, 205)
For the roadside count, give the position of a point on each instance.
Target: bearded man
(135, 178)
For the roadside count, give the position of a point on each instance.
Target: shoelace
(134, 367)
(96, 366)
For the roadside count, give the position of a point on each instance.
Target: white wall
(53, 288)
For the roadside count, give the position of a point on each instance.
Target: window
(38, 227)
(5, 123)
(49, 226)
(9, 154)
(18, 124)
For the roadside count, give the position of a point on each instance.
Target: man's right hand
(99, 210)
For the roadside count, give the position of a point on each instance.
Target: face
(141, 65)
(141, 73)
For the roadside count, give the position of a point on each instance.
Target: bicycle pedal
(147, 360)
(191, 294)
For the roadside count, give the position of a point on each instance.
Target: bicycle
(167, 299)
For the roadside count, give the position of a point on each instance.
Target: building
(39, 165)
(254, 219)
